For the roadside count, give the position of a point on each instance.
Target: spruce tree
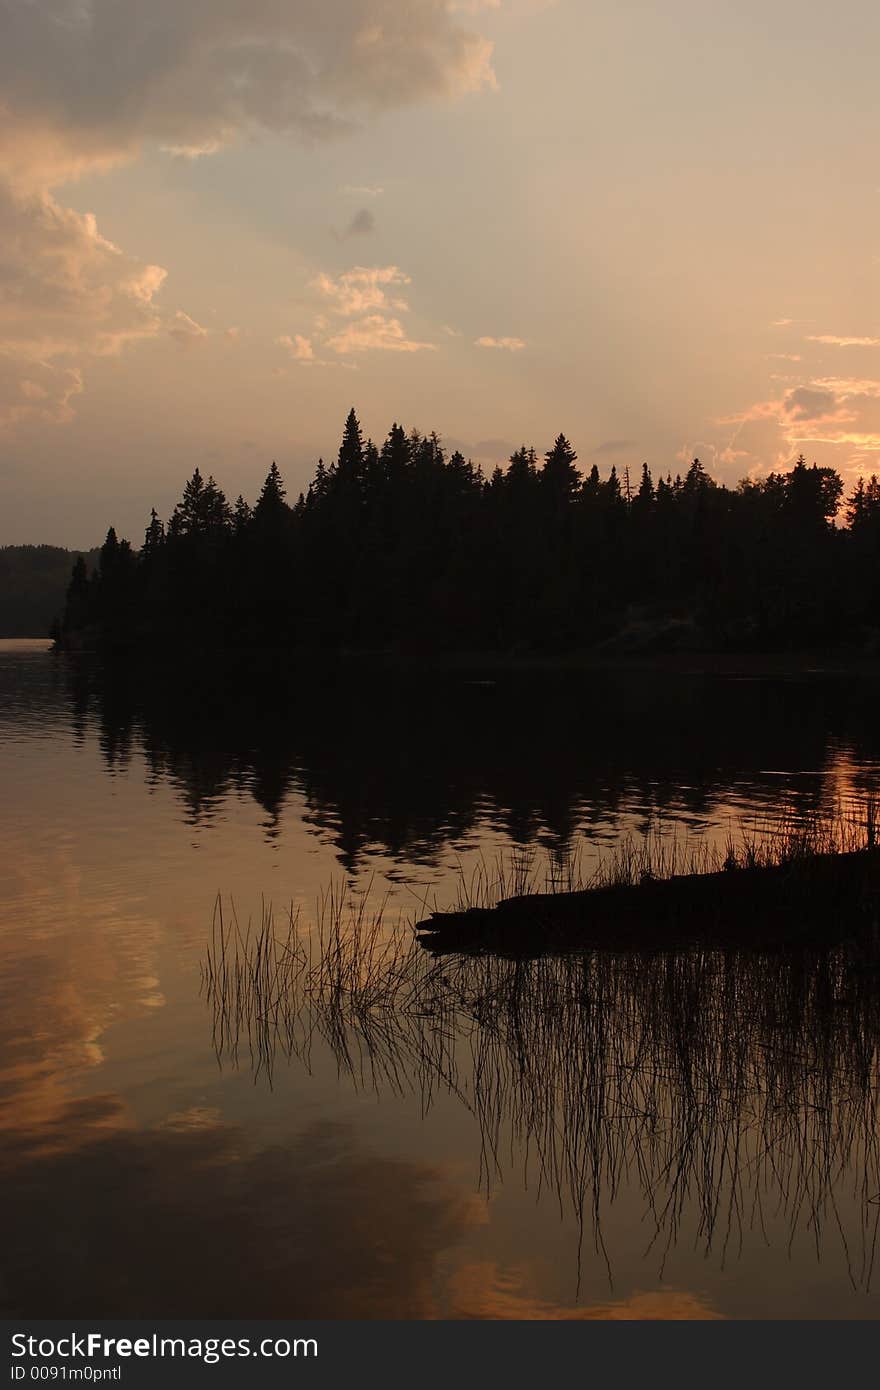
(350, 460)
(395, 455)
(591, 487)
(271, 506)
(154, 536)
(242, 516)
(189, 510)
(644, 498)
(559, 477)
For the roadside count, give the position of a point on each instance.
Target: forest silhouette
(406, 548)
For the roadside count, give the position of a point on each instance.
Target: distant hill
(33, 585)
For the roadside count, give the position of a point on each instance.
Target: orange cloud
(300, 348)
(506, 344)
(840, 414)
(832, 340)
(376, 333)
(66, 293)
(85, 88)
(185, 330)
(362, 288)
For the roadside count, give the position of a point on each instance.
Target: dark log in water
(817, 899)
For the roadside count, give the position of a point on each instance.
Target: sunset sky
(224, 222)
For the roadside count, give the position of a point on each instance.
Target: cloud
(809, 403)
(300, 348)
(506, 344)
(368, 296)
(376, 333)
(362, 190)
(302, 352)
(832, 340)
(36, 389)
(208, 147)
(185, 330)
(66, 292)
(849, 386)
(362, 288)
(704, 450)
(61, 280)
(86, 85)
(362, 224)
(837, 415)
(615, 446)
(491, 451)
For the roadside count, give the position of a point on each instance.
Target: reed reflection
(733, 1091)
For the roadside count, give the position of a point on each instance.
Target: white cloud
(506, 344)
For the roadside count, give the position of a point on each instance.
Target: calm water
(575, 1155)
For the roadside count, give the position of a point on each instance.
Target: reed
(733, 1088)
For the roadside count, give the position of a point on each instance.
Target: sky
(225, 222)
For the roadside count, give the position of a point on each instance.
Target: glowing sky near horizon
(223, 222)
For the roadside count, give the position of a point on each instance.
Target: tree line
(405, 546)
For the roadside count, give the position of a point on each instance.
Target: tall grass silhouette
(727, 1085)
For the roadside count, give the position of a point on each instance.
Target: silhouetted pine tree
(560, 479)
(644, 498)
(242, 516)
(271, 507)
(350, 460)
(154, 536)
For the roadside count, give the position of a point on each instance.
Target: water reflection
(734, 1091)
(409, 766)
(129, 803)
(189, 1216)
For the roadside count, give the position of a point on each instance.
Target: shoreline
(743, 665)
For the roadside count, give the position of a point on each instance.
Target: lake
(616, 1137)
